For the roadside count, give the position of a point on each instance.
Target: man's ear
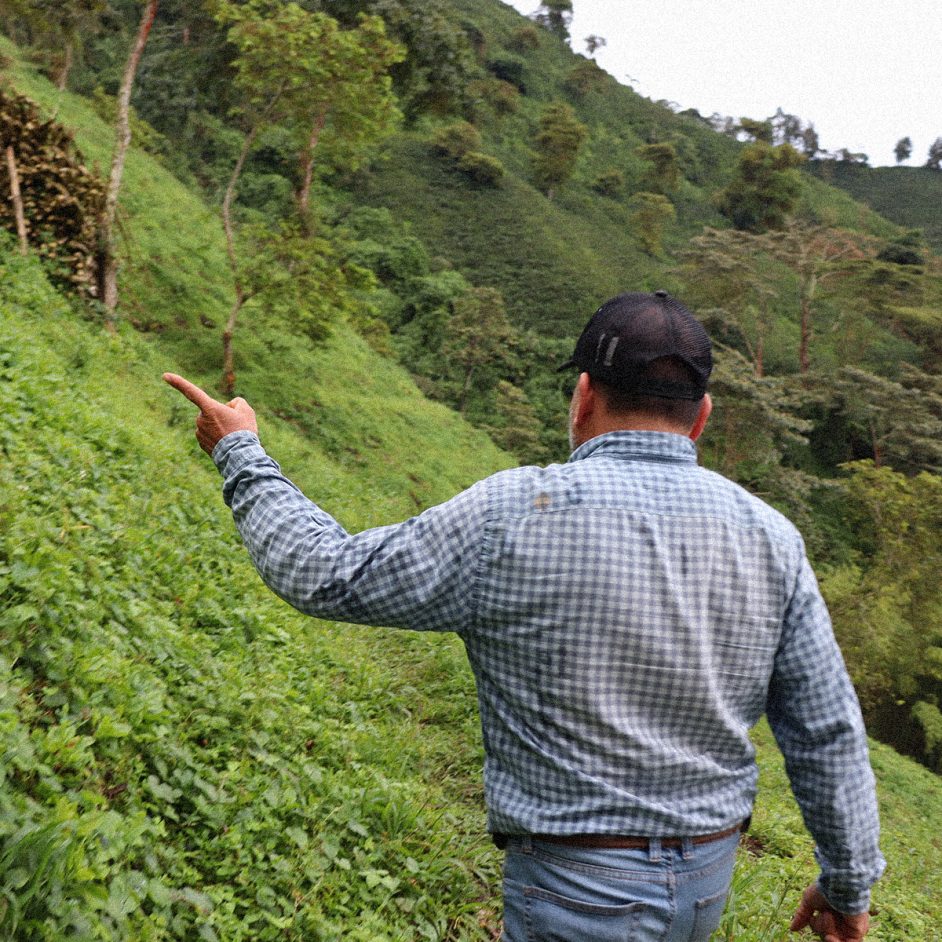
(586, 400)
(706, 407)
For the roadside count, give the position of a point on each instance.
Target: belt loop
(654, 849)
(686, 848)
(526, 844)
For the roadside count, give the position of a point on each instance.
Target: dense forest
(384, 222)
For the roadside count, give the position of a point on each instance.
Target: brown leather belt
(620, 841)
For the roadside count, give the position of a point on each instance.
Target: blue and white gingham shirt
(628, 616)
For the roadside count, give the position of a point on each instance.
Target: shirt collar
(644, 446)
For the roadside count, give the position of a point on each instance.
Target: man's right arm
(416, 574)
(815, 716)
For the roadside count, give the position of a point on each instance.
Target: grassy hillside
(556, 259)
(909, 196)
(183, 756)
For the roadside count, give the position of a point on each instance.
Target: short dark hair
(679, 412)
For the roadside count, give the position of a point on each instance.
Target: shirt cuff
(849, 903)
(235, 450)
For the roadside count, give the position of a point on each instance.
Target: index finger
(200, 399)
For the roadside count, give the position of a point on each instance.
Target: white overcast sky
(864, 72)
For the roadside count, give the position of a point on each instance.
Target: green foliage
(558, 141)
(765, 189)
(456, 139)
(515, 425)
(296, 279)
(585, 77)
(610, 183)
(525, 38)
(328, 86)
(481, 168)
(555, 16)
(903, 149)
(886, 610)
(433, 76)
(651, 212)
(664, 174)
(761, 132)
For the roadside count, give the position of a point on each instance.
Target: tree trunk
(228, 358)
(17, 199)
(875, 445)
(63, 78)
(108, 265)
(304, 194)
(228, 362)
(805, 337)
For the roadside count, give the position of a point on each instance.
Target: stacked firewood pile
(47, 196)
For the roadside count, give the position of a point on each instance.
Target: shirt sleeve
(417, 574)
(815, 716)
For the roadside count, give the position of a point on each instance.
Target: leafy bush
(481, 168)
(456, 139)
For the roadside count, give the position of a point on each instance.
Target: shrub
(481, 168)
(609, 183)
(524, 38)
(455, 140)
(510, 70)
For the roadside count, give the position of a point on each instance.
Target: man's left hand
(216, 419)
(829, 924)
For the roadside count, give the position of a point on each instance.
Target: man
(628, 617)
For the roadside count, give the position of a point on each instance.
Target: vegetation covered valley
(185, 758)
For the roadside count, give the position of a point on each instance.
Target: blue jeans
(557, 893)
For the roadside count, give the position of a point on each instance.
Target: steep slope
(556, 259)
(183, 757)
(909, 196)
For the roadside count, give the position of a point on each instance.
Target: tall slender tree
(327, 87)
(107, 257)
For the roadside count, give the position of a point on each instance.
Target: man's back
(628, 606)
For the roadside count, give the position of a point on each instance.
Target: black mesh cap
(627, 334)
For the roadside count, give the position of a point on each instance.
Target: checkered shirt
(628, 617)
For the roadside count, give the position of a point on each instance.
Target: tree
(786, 128)
(593, 43)
(810, 143)
(934, 161)
(886, 606)
(757, 131)
(765, 188)
(325, 86)
(903, 150)
(478, 344)
(515, 426)
(651, 212)
(901, 422)
(730, 282)
(55, 26)
(558, 141)
(107, 260)
(664, 175)
(555, 16)
(435, 75)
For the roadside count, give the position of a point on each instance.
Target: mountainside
(909, 196)
(184, 757)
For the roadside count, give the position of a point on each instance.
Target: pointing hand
(216, 419)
